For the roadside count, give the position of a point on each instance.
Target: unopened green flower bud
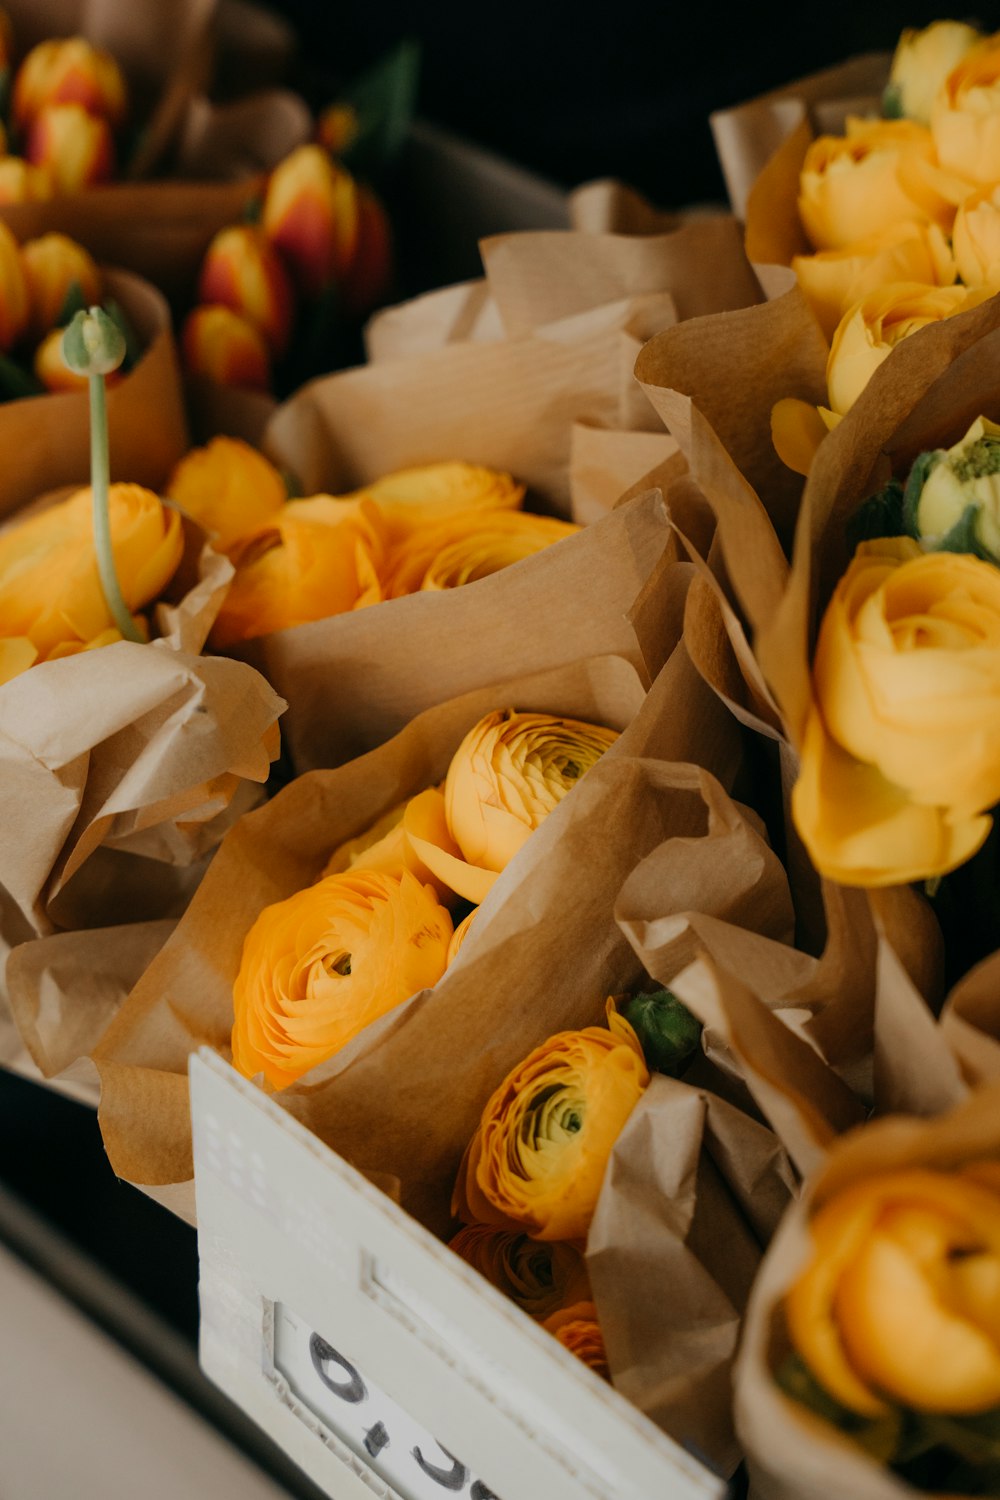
(668, 1033)
(93, 344)
(953, 494)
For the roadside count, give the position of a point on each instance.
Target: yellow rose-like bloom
(578, 1330)
(411, 500)
(50, 591)
(386, 846)
(976, 238)
(921, 63)
(508, 774)
(467, 547)
(537, 1160)
(871, 330)
(834, 280)
(965, 119)
(316, 558)
(541, 1278)
(901, 1299)
(901, 755)
(318, 967)
(879, 174)
(229, 488)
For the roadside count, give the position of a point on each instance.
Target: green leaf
(892, 102)
(16, 382)
(922, 466)
(879, 1436)
(879, 515)
(668, 1033)
(384, 100)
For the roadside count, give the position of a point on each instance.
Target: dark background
(578, 92)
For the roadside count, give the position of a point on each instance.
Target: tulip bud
(366, 282)
(52, 265)
(13, 291)
(68, 70)
(952, 496)
(55, 374)
(93, 344)
(76, 147)
(20, 182)
(668, 1033)
(217, 343)
(244, 272)
(311, 214)
(337, 128)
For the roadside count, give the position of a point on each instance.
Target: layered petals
(228, 488)
(543, 1279)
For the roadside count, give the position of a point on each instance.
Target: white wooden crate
(376, 1358)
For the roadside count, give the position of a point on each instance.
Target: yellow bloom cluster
(319, 966)
(433, 527)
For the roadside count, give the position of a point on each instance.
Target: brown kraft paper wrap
(793, 1454)
(452, 1050)
(46, 439)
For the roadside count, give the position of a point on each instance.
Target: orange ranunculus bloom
(508, 774)
(469, 546)
(880, 173)
(901, 756)
(318, 967)
(14, 303)
(228, 488)
(52, 264)
(541, 1278)
(68, 70)
(537, 1159)
(505, 778)
(50, 592)
(898, 1302)
(244, 272)
(311, 215)
(314, 558)
(578, 1330)
(412, 500)
(224, 347)
(75, 148)
(965, 118)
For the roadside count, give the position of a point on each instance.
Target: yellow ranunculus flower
(50, 592)
(315, 558)
(410, 500)
(537, 1159)
(870, 331)
(965, 119)
(901, 756)
(228, 488)
(467, 547)
(976, 238)
(385, 846)
(881, 173)
(834, 280)
(578, 1330)
(921, 63)
(508, 774)
(541, 1278)
(900, 1302)
(321, 965)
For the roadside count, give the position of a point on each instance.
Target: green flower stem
(99, 472)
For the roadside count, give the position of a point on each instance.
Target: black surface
(622, 90)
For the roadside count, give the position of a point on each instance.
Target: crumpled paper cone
(133, 747)
(694, 1189)
(46, 439)
(792, 1454)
